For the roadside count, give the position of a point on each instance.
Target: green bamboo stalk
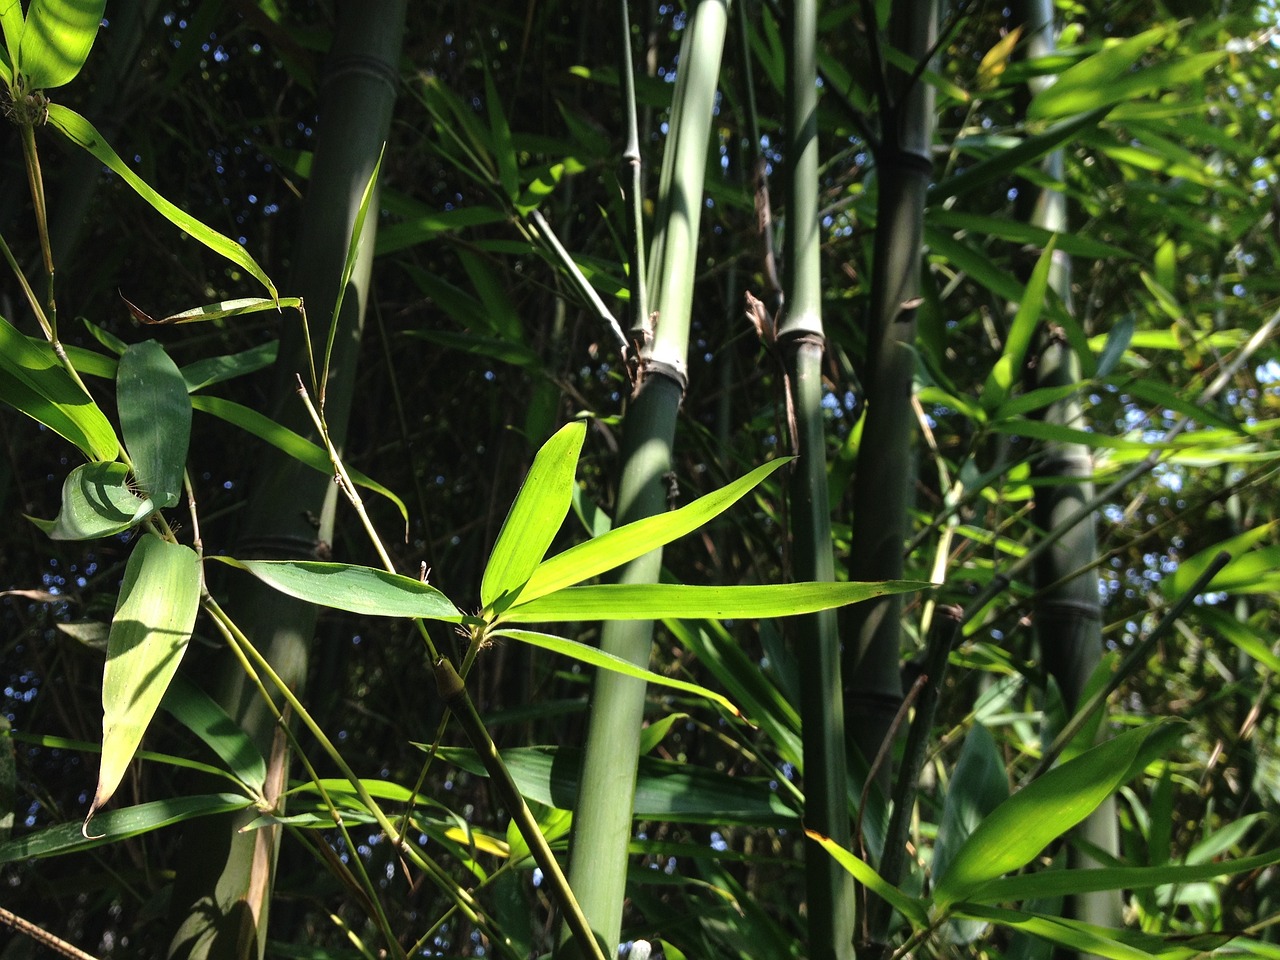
(221, 898)
(602, 816)
(1068, 615)
(830, 890)
(885, 467)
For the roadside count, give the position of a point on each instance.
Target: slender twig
(43, 936)
(454, 694)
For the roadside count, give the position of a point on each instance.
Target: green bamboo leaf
(214, 311)
(503, 148)
(623, 544)
(117, 825)
(149, 633)
(12, 22)
(1243, 634)
(1131, 86)
(665, 790)
(33, 382)
(282, 438)
(1190, 569)
(655, 601)
(97, 501)
(916, 911)
(977, 786)
(536, 515)
(349, 265)
(8, 779)
(1117, 343)
(596, 657)
(975, 263)
(204, 717)
(1005, 162)
(355, 589)
(82, 133)
(1056, 433)
(56, 42)
(1085, 85)
(1062, 883)
(1153, 391)
(431, 224)
(211, 370)
(1008, 368)
(155, 419)
(1084, 937)
(1013, 834)
(1017, 231)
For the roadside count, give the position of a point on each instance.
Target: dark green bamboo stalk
(884, 480)
(830, 892)
(1068, 616)
(221, 899)
(602, 817)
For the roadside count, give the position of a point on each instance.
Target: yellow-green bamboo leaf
(82, 133)
(149, 633)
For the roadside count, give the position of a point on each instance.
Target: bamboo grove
(656, 480)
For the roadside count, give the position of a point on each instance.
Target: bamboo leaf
(117, 825)
(1017, 830)
(536, 515)
(96, 502)
(1084, 85)
(1117, 343)
(282, 438)
(1008, 368)
(155, 419)
(1190, 569)
(12, 22)
(596, 657)
(1016, 231)
(623, 544)
(356, 589)
(1005, 162)
(349, 265)
(211, 370)
(1062, 883)
(82, 133)
(204, 717)
(665, 790)
(977, 786)
(655, 601)
(503, 148)
(214, 311)
(1243, 634)
(56, 42)
(1084, 937)
(914, 910)
(149, 633)
(33, 382)
(1132, 86)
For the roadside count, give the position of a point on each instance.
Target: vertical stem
(885, 470)
(830, 891)
(602, 820)
(1068, 616)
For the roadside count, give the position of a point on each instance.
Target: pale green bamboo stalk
(884, 479)
(602, 816)
(1068, 615)
(221, 899)
(830, 890)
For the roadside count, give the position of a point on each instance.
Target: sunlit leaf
(35, 383)
(214, 311)
(82, 133)
(149, 633)
(624, 544)
(655, 601)
(1008, 368)
(916, 911)
(97, 501)
(1013, 834)
(596, 657)
(355, 589)
(57, 40)
(535, 517)
(1085, 85)
(1083, 937)
(204, 717)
